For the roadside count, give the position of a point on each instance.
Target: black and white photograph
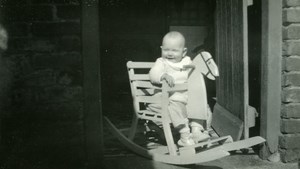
(149, 84)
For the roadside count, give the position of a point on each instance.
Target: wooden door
(230, 111)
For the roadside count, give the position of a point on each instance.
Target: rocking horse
(142, 93)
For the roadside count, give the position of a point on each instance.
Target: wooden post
(91, 83)
(166, 125)
(246, 68)
(271, 75)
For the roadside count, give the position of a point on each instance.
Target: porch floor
(117, 156)
(239, 161)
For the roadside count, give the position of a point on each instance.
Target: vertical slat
(220, 52)
(166, 125)
(224, 34)
(246, 73)
(232, 57)
(235, 52)
(218, 46)
(224, 57)
(238, 59)
(133, 90)
(133, 128)
(91, 86)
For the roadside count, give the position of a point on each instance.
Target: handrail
(177, 87)
(139, 65)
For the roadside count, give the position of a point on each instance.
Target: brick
(291, 15)
(46, 108)
(56, 130)
(57, 61)
(291, 63)
(61, 94)
(40, 78)
(30, 44)
(291, 79)
(52, 94)
(56, 44)
(18, 30)
(291, 95)
(291, 110)
(16, 13)
(5, 85)
(41, 45)
(289, 141)
(73, 92)
(291, 31)
(291, 3)
(11, 3)
(41, 13)
(69, 43)
(290, 125)
(51, 143)
(31, 13)
(18, 43)
(55, 28)
(290, 155)
(74, 2)
(68, 11)
(22, 65)
(72, 110)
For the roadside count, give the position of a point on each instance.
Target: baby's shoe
(185, 140)
(198, 135)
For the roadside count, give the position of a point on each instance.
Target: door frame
(270, 78)
(93, 121)
(271, 58)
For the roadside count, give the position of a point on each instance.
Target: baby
(172, 67)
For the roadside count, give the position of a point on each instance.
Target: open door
(230, 116)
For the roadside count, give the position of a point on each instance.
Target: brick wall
(290, 112)
(45, 123)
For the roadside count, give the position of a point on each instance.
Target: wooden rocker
(142, 93)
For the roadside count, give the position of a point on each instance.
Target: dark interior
(254, 60)
(132, 30)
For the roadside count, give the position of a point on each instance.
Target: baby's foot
(200, 136)
(184, 142)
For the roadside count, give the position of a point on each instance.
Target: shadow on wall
(5, 84)
(5, 73)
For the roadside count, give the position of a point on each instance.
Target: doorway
(133, 30)
(254, 60)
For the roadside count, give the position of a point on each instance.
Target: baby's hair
(173, 35)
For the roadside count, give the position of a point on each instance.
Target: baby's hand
(169, 79)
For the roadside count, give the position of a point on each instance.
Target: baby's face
(173, 49)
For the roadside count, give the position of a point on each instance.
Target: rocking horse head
(208, 66)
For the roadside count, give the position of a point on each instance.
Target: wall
(44, 126)
(290, 113)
